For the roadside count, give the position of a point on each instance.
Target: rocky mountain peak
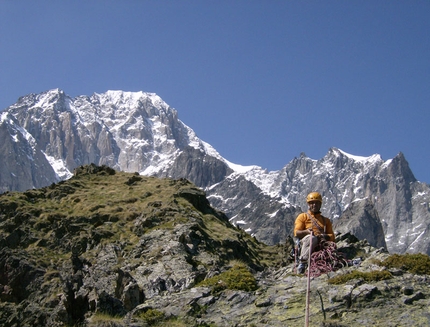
(48, 100)
(400, 167)
(129, 103)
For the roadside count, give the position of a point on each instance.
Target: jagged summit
(112, 128)
(46, 136)
(372, 158)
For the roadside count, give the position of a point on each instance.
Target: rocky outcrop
(204, 170)
(23, 164)
(361, 219)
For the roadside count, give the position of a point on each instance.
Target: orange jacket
(304, 222)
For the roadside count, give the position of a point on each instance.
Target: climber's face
(314, 206)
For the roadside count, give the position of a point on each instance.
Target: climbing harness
(322, 230)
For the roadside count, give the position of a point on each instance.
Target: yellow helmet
(314, 196)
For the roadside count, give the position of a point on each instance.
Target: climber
(312, 222)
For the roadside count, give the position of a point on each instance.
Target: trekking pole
(309, 282)
(296, 254)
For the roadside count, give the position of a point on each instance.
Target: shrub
(414, 263)
(105, 320)
(236, 278)
(151, 316)
(372, 276)
(175, 322)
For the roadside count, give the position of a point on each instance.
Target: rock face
(108, 248)
(361, 219)
(23, 163)
(46, 136)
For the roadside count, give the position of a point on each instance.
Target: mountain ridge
(48, 135)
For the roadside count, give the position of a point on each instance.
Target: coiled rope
(326, 259)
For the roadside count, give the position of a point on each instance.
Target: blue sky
(261, 81)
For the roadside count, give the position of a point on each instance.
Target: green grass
(151, 316)
(236, 278)
(100, 319)
(372, 276)
(414, 263)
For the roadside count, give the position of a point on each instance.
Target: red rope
(327, 259)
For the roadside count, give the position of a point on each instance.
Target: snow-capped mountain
(46, 136)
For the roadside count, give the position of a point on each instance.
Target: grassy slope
(102, 206)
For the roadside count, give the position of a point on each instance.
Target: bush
(414, 263)
(151, 316)
(105, 320)
(236, 278)
(372, 276)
